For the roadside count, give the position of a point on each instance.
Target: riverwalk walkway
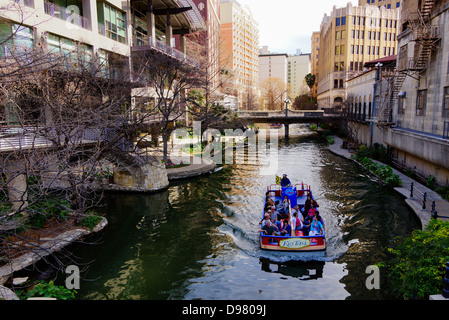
(197, 166)
(415, 200)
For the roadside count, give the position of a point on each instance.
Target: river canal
(199, 239)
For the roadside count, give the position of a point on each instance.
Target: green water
(199, 239)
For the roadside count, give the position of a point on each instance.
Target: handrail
(425, 199)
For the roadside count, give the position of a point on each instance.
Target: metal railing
(424, 197)
(162, 47)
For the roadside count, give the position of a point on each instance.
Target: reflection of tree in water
(297, 269)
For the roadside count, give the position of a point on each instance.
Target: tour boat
(296, 241)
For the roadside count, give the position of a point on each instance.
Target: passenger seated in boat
(266, 217)
(306, 225)
(308, 205)
(296, 209)
(285, 205)
(269, 229)
(269, 203)
(286, 229)
(320, 218)
(311, 211)
(316, 227)
(296, 222)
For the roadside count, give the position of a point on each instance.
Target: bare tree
(64, 114)
(204, 102)
(273, 91)
(169, 77)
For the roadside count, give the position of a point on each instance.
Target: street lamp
(287, 101)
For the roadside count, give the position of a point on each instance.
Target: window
(337, 22)
(446, 102)
(15, 38)
(337, 35)
(401, 105)
(65, 47)
(342, 49)
(421, 100)
(343, 21)
(114, 22)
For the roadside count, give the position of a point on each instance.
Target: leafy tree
(310, 80)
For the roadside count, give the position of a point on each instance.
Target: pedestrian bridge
(286, 116)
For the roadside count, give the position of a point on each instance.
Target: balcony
(163, 48)
(69, 16)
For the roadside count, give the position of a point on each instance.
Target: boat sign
(296, 243)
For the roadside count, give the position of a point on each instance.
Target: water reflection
(303, 270)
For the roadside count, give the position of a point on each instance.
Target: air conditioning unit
(402, 94)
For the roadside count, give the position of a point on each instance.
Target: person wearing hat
(285, 182)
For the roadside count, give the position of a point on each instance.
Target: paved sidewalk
(415, 202)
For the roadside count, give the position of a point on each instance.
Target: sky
(287, 25)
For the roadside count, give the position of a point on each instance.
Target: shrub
(416, 266)
(376, 151)
(383, 172)
(91, 220)
(48, 290)
(444, 192)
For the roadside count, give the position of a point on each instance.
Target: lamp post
(287, 101)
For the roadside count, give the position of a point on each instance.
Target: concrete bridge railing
(281, 113)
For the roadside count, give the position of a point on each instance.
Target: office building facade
(349, 37)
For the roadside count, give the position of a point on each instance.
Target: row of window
(421, 102)
(360, 34)
(364, 21)
(20, 39)
(388, 6)
(370, 50)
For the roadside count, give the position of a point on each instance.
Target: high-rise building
(273, 78)
(240, 54)
(298, 67)
(314, 58)
(349, 37)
